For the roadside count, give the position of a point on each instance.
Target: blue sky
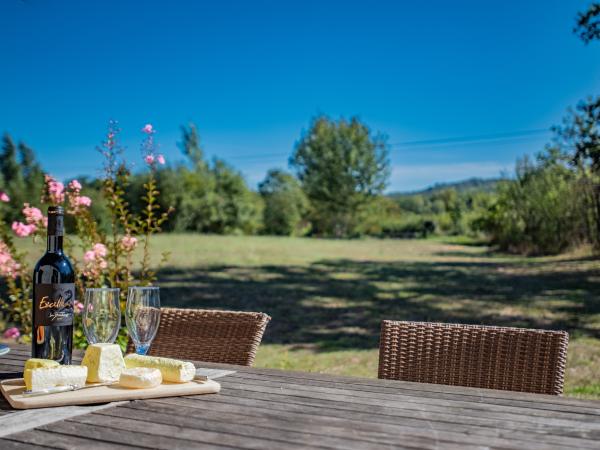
(252, 74)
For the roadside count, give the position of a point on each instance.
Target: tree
(342, 166)
(578, 141)
(31, 172)
(208, 197)
(453, 207)
(588, 24)
(285, 203)
(190, 146)
(20, 176)
(540, 211)
(195, 188)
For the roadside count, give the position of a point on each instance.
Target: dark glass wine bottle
(53, 296)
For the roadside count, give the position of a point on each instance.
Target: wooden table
(274, 409)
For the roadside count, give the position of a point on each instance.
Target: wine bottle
(53, 296)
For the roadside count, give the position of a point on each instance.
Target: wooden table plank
(272, 409)
(564, 428)
(463, 402)
(353, 418)
(190, 428)
(312, 423)
(313, 428)
(487, 396)
(15, 445)
(423, 388)
(396, 409)
(73, 441)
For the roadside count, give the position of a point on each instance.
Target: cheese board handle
(52, 390)
(67, 388)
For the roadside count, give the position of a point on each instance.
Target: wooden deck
(273, 409)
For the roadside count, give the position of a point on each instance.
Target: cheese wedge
(140, 377)
(172, 370)
(47, 377)
(34, 363)
(104, 362)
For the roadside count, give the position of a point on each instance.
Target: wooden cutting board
(13, 390)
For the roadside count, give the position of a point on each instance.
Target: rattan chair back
(229, 337)
(512, 359)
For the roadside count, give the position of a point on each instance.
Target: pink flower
(75, 185)
(23, 230)
(56, 190)
(12, 333)
(89, 256)
(32, 214)
(148, 129)
(149, 159)
(8, 266)
(94, 261)
(99, 250)
(128, 242)
(160, 159)
(4, 197)
(77, 306)
(84, 201)
(76, 202)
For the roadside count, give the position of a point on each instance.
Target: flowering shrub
(108, 258)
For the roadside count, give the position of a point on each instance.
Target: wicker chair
(510, 359)
(228, 337)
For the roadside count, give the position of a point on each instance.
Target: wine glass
(101, 315)
(142, 316)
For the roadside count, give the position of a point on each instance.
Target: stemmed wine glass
(101, 315)
(142, 316)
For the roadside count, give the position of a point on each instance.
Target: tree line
(339, 168)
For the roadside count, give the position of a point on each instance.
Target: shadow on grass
(464, 254)
(339, 304)
(467, 242)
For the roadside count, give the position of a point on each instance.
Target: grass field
(327, 297)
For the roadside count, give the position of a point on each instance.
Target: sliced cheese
(140, 377)
(34, 363)
(47, 377)
(172, 370)
(104, 362)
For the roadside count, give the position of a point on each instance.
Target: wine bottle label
(53, 304)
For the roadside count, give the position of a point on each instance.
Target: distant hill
(461, 187)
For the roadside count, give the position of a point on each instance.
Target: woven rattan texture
(228, 337)
(511, 359)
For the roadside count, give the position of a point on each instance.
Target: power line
(473, 139)
(480, 137)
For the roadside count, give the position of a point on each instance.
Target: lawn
(328, 297)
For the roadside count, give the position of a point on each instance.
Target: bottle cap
(56, 220)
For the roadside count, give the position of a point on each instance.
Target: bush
(540, 212)
(285, 203)
(408, 227)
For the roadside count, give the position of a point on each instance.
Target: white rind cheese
(47, 377)
(140, 377)
(104, 362)
(172, 370)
